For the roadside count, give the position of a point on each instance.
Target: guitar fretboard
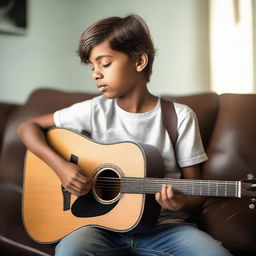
(182, 186)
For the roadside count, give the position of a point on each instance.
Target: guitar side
(43, 215)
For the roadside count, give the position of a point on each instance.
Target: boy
(121, 53)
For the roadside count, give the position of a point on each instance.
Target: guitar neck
(214, 188)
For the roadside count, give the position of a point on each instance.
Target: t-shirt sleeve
(76, 117)
(189, 147)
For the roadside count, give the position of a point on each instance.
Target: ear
(141, 62)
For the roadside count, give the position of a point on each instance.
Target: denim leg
(90, 241)
(178, 240)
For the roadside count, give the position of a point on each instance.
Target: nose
(96, 75)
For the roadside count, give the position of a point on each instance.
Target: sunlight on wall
(231, 46)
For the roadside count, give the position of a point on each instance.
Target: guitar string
(102, 185)
(159, 186)
(187, 191)
(156, 186)
(161, 180)
(148, 181)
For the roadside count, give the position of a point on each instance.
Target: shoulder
(183, 112)
(82, 107)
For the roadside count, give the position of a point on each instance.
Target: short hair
(129, 35)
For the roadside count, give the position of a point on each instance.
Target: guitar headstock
(248, 189)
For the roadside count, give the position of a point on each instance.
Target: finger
(169, 192)
(158, 196)
(77, 191)
(72, 190)
(87, 182)
(81, 187)
(82, 177)
(163, 193)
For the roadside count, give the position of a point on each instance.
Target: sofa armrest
(6, 109)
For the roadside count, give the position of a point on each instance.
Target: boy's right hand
(74, 179)
(32, 134)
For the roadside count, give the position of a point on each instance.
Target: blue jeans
(176, 240)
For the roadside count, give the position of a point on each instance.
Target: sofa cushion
(13, 238)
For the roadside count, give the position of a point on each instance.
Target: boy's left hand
(168, 200)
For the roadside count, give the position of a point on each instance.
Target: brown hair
(129, 35)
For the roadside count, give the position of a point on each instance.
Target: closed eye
(106, 65)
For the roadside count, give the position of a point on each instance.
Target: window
(231, 46)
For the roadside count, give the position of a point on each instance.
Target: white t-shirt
(106, 122)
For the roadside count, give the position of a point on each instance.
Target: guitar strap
(169, 118)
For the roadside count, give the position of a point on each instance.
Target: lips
(102, 87)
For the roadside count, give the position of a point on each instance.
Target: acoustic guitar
(125, 176)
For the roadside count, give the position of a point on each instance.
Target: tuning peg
(250, 176)
(252, 204)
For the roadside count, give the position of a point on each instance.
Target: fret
(239, 189)
(204, 188)
(201, 186)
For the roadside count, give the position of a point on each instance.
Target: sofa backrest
(44, 101)
(232, 151)
(206, 107)
(232, 155)
(6, 110)
(40, 102)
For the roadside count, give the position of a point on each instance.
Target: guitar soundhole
(107, 186)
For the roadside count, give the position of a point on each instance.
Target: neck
(215, 188)
(139, 102)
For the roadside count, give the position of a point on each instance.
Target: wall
(254, 36)
(46, 55)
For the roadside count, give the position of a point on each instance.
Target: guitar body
(50, 212)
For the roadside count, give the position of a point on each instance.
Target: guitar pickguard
(88, 206)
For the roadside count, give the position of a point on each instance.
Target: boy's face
(115, 72)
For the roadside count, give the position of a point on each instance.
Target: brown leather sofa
(228, 127)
